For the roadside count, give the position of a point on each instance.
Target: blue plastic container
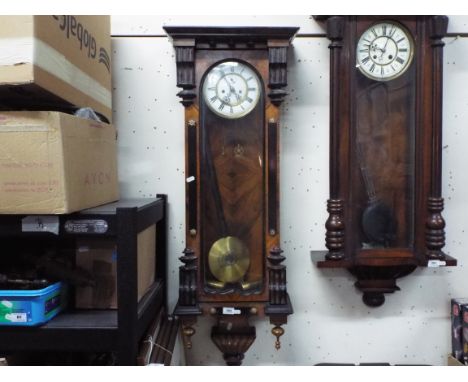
(32, 307)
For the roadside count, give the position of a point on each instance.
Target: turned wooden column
(435, 224)
(334, 225)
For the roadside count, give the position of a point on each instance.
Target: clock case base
(232, 333)
(376, 276)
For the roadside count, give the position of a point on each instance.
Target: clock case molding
(377, 270)
(196, 50)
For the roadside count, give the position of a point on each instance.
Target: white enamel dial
(384, 51)
(231, 89)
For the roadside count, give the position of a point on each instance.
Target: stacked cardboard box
(99, 258)
(52, 162)
(459, 318)
(55, 63)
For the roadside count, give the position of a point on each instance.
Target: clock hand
(385, 47)
(232, 90)
(388, 38)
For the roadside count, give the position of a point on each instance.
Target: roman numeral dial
(384, 51)
(231, 89)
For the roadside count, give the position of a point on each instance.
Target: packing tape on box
(23, 50)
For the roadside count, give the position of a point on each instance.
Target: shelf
(449, 262)
(83, 319)
(148, 211)
(111, 208)
(118, 330)
(318, 257)
(85, 330)
(69, 331)
(367, 259)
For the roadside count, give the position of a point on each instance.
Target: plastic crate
(32, 307)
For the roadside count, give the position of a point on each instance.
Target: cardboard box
(464, 313)
(457, 324)
(55, 163)
(99, 257)
(452, 361)
(55, 62)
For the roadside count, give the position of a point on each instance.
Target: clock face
(231, 89)
(384, 51)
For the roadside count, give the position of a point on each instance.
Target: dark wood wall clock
(232, 82)
(385, 149)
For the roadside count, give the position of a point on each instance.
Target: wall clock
(232, 82)
(385, 207)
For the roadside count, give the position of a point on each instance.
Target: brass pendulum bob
(228, 260)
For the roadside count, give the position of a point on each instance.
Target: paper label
(40, 223)
(16, 317)
(86, 226)
(231, 311)
(190, 179)
(436, 263)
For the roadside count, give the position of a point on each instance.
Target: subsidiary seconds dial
(231, 89)
(384, 51)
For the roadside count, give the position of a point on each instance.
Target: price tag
(190, 179)
(231, 311)
(40, 223)
(16, 317)
(436, 263)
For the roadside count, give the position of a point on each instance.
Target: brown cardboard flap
(99, 257)
(146, 242)
(17, 74)
(16, 26)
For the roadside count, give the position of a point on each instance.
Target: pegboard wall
(330, 322)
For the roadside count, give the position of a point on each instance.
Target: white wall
(330, 323)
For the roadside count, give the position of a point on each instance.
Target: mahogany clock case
(232, 259)
(231, 158)
(385, 156)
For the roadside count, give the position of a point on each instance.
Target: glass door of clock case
(383, 151)
(232, 165)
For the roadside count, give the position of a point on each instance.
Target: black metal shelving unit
(117, 330)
